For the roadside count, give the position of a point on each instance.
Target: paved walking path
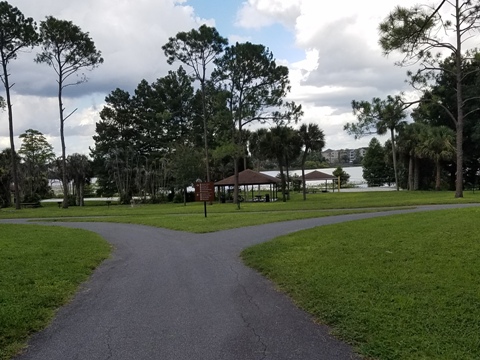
(174, 295)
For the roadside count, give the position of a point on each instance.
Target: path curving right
(171, 295)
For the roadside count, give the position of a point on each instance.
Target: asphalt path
(174, 295)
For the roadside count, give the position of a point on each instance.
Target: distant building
(331, 156)
(343, 155)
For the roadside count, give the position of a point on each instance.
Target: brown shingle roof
(248, 177)
(318, 175)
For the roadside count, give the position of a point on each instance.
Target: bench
(30, 205)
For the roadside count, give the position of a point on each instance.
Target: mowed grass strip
(198, 223)
(40, 269)
(400, 287)
(314, 202)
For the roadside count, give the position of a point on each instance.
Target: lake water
(356, 178)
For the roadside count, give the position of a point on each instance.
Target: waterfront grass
(40, 269)
(403, 287)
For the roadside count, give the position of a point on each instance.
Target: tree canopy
(381, 116)
(67, 49)
(423, 34)
(17, 32)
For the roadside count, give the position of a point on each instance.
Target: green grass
(403, 287)
(226, 216)
(417, 295)
(40, 270)
(197, 223)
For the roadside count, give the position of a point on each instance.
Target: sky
(330, 48)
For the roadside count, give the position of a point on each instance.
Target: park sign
(204, 191)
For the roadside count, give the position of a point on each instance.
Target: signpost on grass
(204, 191)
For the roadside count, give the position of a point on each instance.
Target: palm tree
(439, 146)
(379, 116)
(282, 144)
(408, 141)
(313, 139)
(79, 170)
(292, 149)
(254, 147)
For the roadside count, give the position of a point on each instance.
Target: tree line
(443, 137)
(189, 125)
(194, 123)
(65, 48)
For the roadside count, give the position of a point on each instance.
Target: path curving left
(174, 295)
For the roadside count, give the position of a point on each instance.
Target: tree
(255, 87)
(176, 94)
(443, 91)
(438, 145)
(313, 139)
(116, 132)
(197, 49)
(344, 176)
(293, 148)
(6, 178)
(186, 168)
(381, 115)
(37, 154)
(409, 141)
(79, 171)
(374, 167)
(422, 33)
(67, 49)
(256, 153)
(358, 157)
(16, 33)
(281, 143)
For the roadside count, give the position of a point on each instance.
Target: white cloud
(129, 35)
(342, 62)
(260, 13)
(342, 59)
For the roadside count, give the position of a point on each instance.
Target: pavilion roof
(318, 175)
(249, 177)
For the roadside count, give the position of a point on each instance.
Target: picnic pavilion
(248, 180)
(320, 176)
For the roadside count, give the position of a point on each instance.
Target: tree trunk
(304, 158)
(303, 183)
(410, 172)
(287, 180)
(81, 194)
(205, 122)
(62, 139)
(13, 153)
(438, 175)
(459, 124)
(416, 174)
(282, 177)
(236, 185)
(394, 156)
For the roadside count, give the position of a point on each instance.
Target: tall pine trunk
(13, 153)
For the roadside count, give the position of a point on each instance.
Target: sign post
(204, 191)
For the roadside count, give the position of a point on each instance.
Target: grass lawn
(416, 295)
(403, 287)
(226, 216)
(197, 223)
(40, 270)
